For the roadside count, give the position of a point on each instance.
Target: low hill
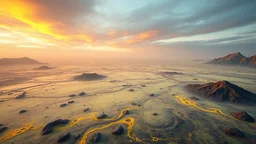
(89, 77)
(43, 68)
(18, 61)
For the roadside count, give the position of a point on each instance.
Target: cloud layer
(127, 25)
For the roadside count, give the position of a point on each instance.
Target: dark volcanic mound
(89, 77)
(223, 91)
(244, 116)
(234, 132)
(43, 68)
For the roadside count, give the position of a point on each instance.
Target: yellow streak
(210, 110)
(129, 121)
(77, 120)
(16, 132)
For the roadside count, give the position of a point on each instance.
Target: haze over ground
(64, 30)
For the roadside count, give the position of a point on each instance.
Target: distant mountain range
(18, 61)
(235, 59)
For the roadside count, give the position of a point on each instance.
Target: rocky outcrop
(49, 127)
(126, 112)
(95, 137)
(89, 77)
(102, 116)
(118, 130)
(63, 105)
(63, 138)
(244, 116)
(43, 68)
(194, 98)
(2, 129)
(82, 93)
(171, 73)
(151, 94)
(71, 101)
(22, 111)
(223, 91)
(87, 109)
(234, 132)
(154, 114)
(22, 95)
(72, 95)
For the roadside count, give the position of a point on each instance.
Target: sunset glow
(128, 28)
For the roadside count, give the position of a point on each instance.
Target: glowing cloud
(141, 36)
(26, 13)
(112, 33)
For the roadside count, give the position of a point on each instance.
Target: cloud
(112, 33)
(65, 24)
(51, 18)
(201, 19)
(141, 36)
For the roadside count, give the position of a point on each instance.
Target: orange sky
(24, 26)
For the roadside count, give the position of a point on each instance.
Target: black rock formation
(234, 132)
(63, 138)
(49, 127)
(2, 129)
(244, 116)
(95, 137)
(118, 130)
(21, 95)
(101, 116)
(22, 111)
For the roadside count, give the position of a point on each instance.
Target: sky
(161, 29)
